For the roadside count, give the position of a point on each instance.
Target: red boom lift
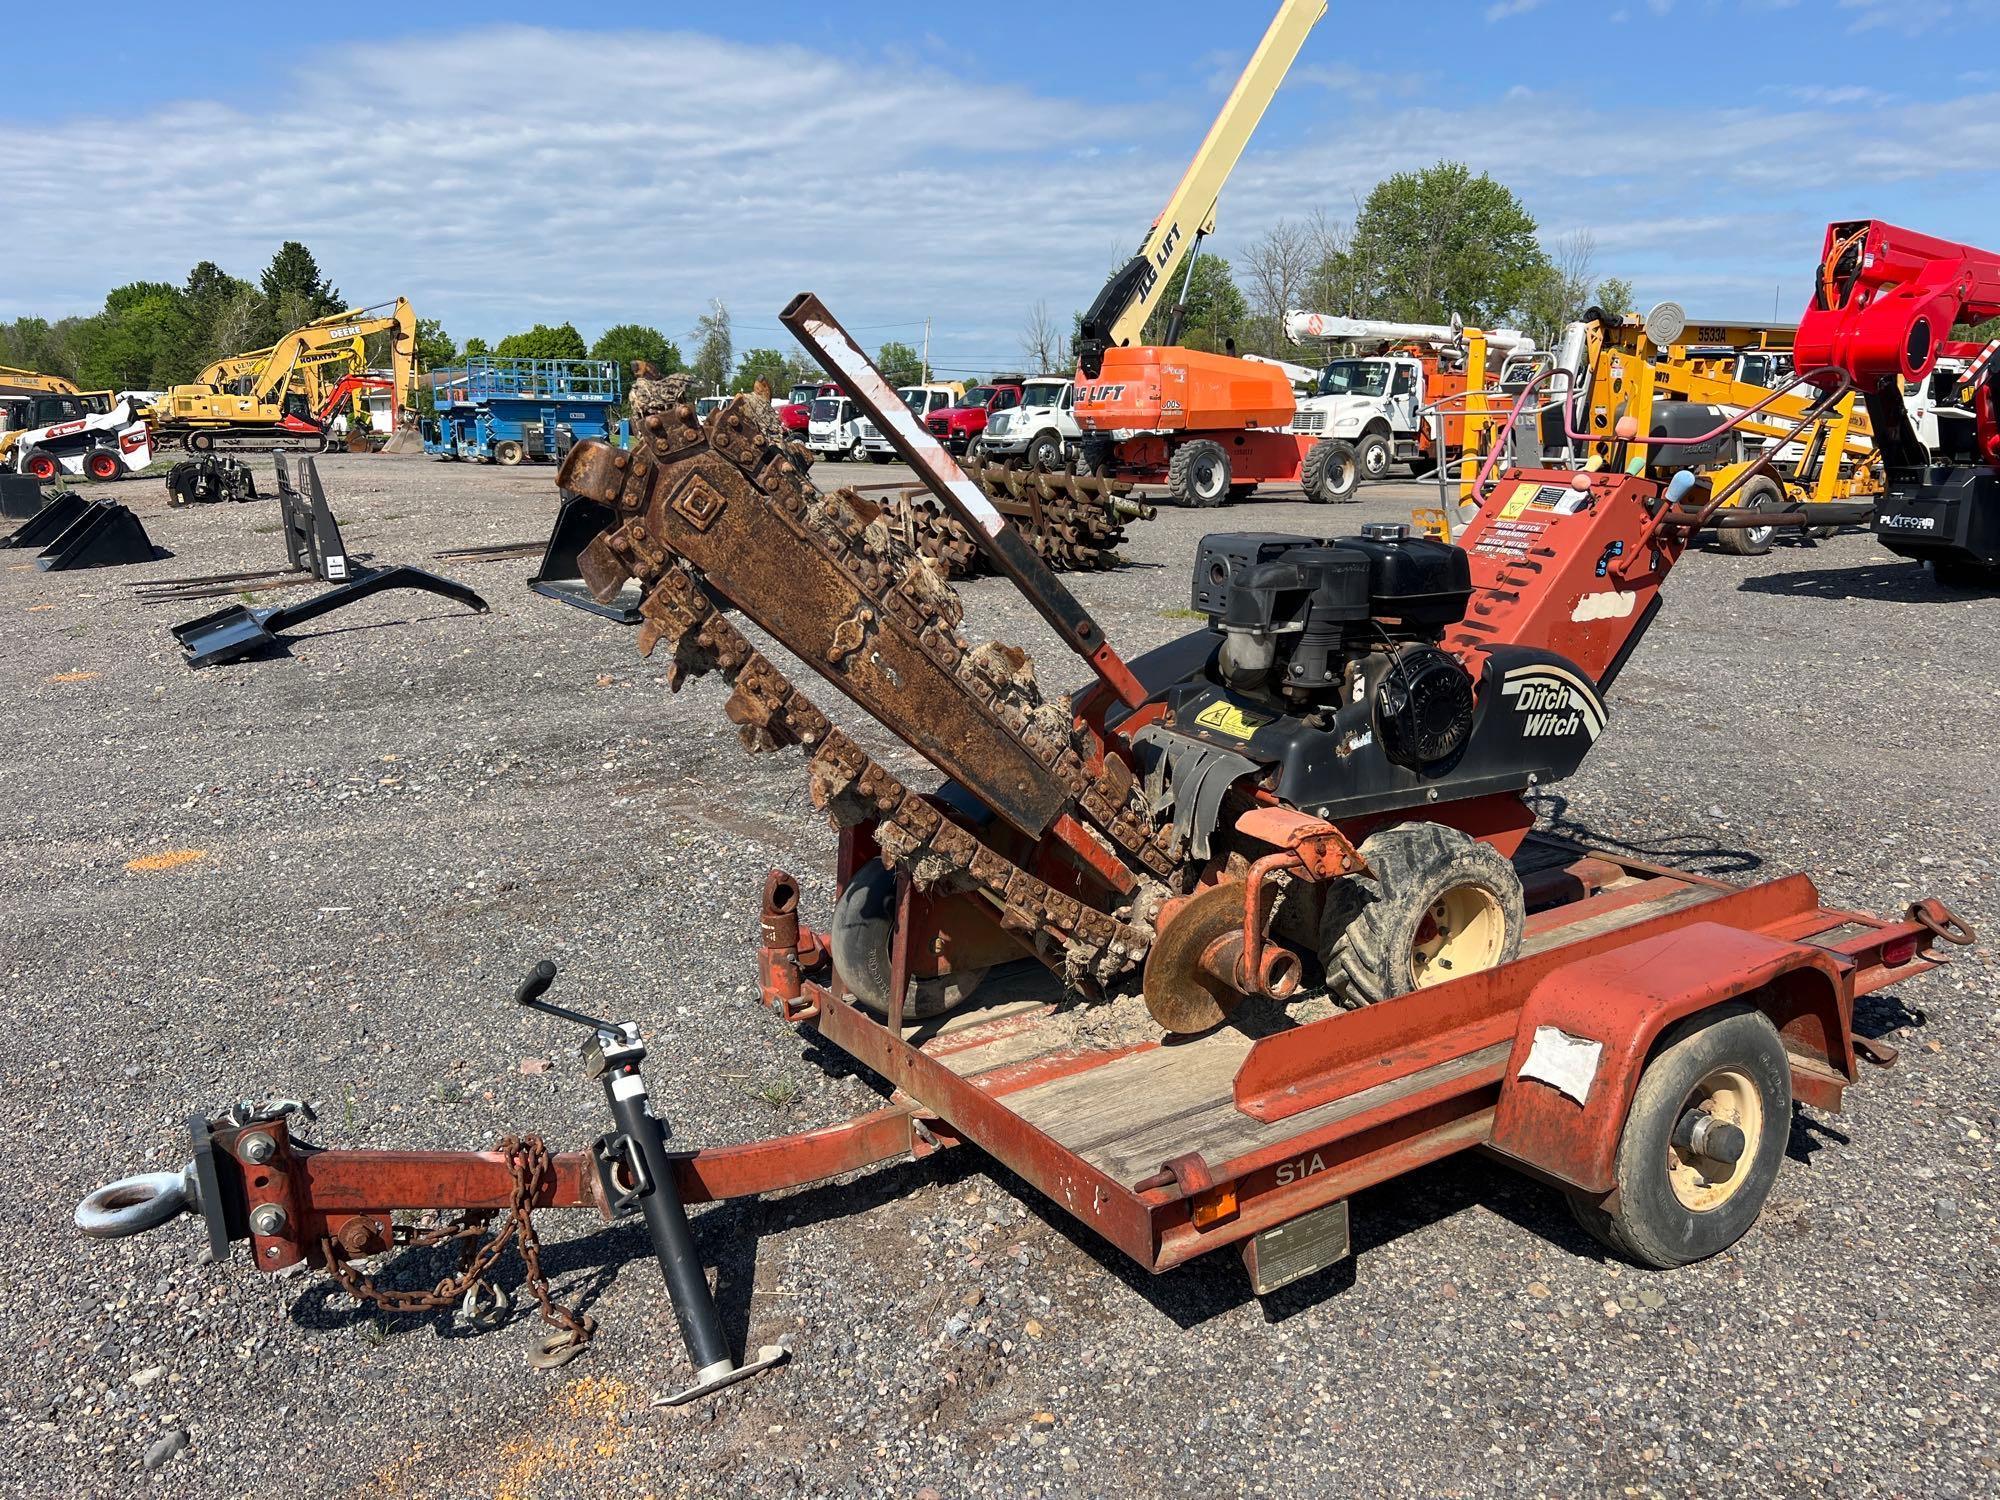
(1632, 1035)
(1884, 303)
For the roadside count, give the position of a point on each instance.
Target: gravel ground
(382, 832)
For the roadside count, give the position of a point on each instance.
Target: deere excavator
(271, 400)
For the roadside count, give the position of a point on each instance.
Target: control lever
(635, 1171)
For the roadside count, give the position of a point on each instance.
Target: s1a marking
(1553, 701)
(1300, 1169)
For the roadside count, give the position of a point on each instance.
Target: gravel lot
(398, 820)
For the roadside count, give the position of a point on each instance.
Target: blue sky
(959, 162)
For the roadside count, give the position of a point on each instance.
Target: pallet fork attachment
(239, 631)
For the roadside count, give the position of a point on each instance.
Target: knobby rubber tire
(1369, 923)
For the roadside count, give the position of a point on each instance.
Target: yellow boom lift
(267, 400)
(1680, 378)
(1119, 314)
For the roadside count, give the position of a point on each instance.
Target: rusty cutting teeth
(715, 511)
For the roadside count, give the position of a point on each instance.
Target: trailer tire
(1761, 493)
(1439, 905)
(863, 939)
(1725, 1063)
(508, 453)
(1198, 474)
(1330, 474)
(39, 465)
(102, 463)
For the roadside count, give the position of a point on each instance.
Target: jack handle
(529, 992)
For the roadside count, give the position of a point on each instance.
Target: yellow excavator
(267, 400)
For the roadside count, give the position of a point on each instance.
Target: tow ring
(133, 1205)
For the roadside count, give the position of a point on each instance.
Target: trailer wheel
(102, 463)
(39, 465)
(508, 453)
(1331, 473)
(1372, 452)
(1440, 905)
(1198, 474)
(1761, 493)
(1703, 1141)
(863, 939)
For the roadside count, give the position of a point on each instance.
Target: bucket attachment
(20, 497)
(579, 523)
(54, 517)
(239, 631)
(104, 535)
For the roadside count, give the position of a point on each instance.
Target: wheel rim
(1378, 460)
(1207, 477)
(1760, 536)
(1463, 931)
(1704, 1183)
(1340, 476)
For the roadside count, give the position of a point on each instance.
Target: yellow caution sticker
(1227, 718)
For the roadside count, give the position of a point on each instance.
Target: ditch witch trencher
(1327, 781)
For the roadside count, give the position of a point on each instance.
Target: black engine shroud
(1321, 670)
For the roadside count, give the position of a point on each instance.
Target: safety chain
(529, 1163)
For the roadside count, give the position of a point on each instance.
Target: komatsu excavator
(254, 403)
(1884, 303)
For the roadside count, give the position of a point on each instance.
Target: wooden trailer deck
(1289, 1108)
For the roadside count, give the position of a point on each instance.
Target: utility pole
(927, 353)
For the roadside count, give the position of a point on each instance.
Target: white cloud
(507, 176)
(503, 176)
(1503, 10)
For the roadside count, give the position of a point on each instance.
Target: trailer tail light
(1213, 1205)
(1899, 951)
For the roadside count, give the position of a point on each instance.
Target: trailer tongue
(1330, 778)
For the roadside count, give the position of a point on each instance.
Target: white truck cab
(922, 400)
(1370, 402)
(834, 428)
(1042, 428)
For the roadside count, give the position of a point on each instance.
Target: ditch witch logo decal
(1552, 701)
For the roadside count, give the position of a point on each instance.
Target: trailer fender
(1588, 1029)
